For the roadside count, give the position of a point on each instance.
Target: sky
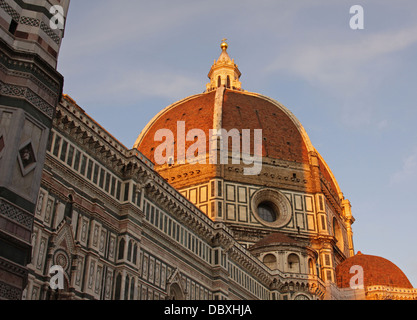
(354, 91)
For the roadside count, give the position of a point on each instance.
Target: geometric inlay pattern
(9, 293)
(12, 12)
(15, 214)
(29, 21)
(50, 33)
(29, 95)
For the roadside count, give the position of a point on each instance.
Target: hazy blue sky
(354, 91)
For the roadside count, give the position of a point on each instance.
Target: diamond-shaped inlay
(27, 155)
(27, 158)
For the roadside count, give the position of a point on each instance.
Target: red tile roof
(376, 271)
(282, 140)
(282, 136)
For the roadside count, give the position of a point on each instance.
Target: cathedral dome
(225, 105)
(376, 271)
(282, 133)
(289, 173)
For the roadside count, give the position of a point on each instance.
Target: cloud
(350, 69)
(146, 84)
(343, 64)
(123, 48)
(408, 171)
(383, 124)
(125, 87)
(113, 45)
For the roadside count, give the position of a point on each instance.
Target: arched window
(127, 284)
(293, 263)
(118, 287)
(228, 82)
(270, 261)
(121, 249)
(68, 207)
(219, 82)
(337, 232)
(311, 267)
(135, 253)
(132, 289)
(175, 292)
(129, 251)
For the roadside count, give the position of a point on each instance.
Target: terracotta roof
(282, 139)
(376, 271)
(197, 113)
(273, 239)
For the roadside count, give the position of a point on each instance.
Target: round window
(271, 208)
(267, 212)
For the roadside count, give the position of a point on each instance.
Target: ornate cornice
(251, 264)
(75, 123)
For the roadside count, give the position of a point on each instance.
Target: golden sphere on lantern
(224, 44)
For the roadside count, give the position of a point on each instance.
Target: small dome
(376, 271)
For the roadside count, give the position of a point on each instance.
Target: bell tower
(30, 90)
(224, 72)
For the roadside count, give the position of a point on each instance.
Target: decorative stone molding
(280, 203)
(24, 92)
(15, 214)
(8, 292)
